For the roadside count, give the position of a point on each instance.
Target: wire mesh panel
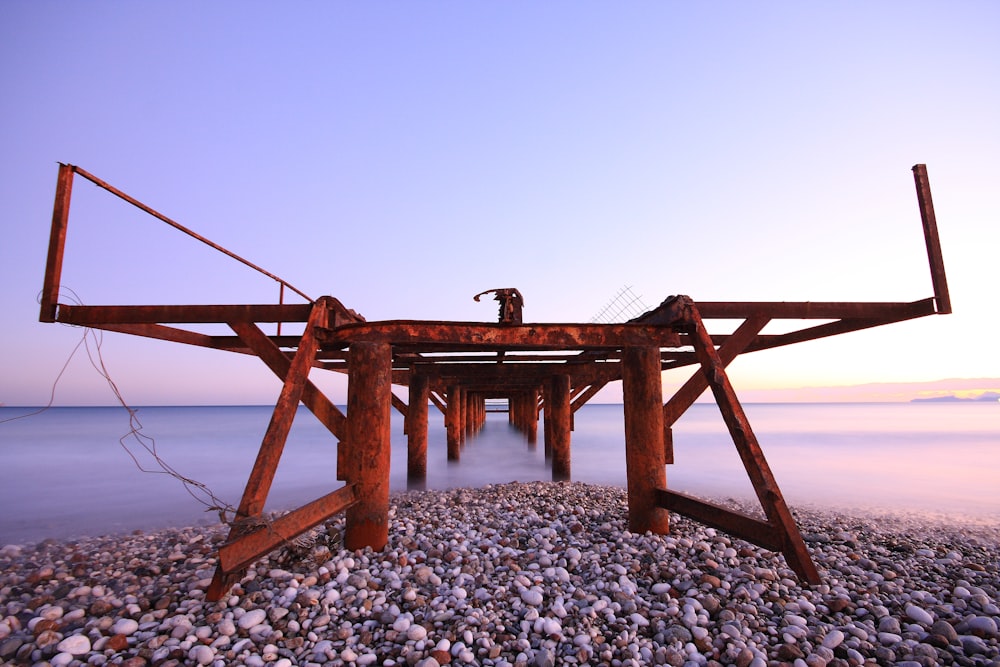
(622, 307)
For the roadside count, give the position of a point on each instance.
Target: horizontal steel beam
(735, 523)
(810, 310)
(189, 314)
(480, 336)
(243, 550)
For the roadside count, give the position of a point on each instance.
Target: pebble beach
(519, 574)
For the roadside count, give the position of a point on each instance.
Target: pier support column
(645, 458)
(369, 411)
(416, 436)
(463, 402)
(453, 423)
(558, 405)
(548, 420)
(531, 413)
(471, 401)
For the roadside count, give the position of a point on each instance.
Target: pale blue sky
(405, 156)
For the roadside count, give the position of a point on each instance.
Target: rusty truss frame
(536, 367)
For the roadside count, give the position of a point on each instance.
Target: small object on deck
(511, 304)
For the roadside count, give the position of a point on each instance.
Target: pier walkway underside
(539, 369)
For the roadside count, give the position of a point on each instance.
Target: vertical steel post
(550, 418)
(469, 414)
(940, 281)
(559, 410)
(645, 462)
(531, 414)
(453, 423)
(461, 398)
(369, 411)
(416, 436)
(57, 244)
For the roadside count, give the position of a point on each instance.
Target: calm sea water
(63, 472)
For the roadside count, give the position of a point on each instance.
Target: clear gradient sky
(404, 156)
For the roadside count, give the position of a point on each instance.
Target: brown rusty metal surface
(538, 368)
(369, 413)
(560, 415)
(189, 314)
(933, 242)
(735, 523)
(511, 304)
(57, 244)
(416, 429)
(645, 465)
(266, 535)
(446, 336)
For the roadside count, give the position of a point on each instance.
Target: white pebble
(201, 654)
(919, 615)
(661, 589)
(833, 639)
(125, 626)
(639, 620)
(75, 645)
(50, 612)
(252, 618)
(532, 596)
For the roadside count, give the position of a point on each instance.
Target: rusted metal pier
(537, 368)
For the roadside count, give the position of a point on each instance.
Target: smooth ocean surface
(64, 473)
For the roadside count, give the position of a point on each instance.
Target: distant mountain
(982, 389)
(985, 397)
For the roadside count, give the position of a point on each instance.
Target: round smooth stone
(125, 626)
(75, 645)
(201, 654)
(532, 597)
(252, 618)
(921, 616)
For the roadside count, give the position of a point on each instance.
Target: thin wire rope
(178, 226)
(197, 490)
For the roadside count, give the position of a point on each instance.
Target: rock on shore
(536, 574)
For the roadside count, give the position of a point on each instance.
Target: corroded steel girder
(486, 337)
(189, 314)
(512, 374)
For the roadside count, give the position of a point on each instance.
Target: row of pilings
(465, 416)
